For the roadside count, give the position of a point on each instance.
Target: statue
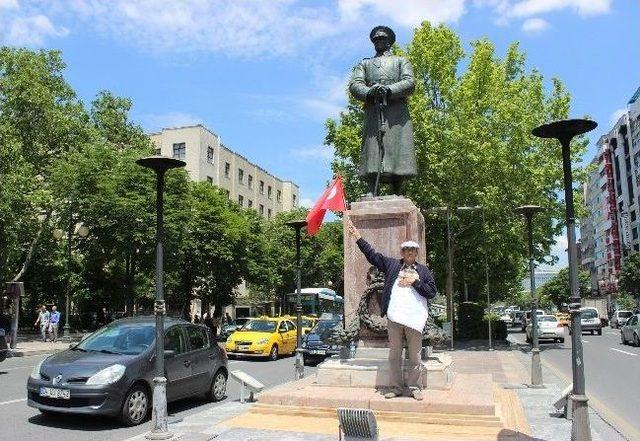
(384, 83)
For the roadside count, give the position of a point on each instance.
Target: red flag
(332, 199)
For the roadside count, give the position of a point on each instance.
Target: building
(540, 278)
(611, 230)
(251, 186)
(208, 160)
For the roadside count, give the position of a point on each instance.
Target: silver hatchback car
(630, 332)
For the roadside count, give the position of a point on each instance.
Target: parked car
(590, 320)
(263, 337)
(506, 317)
(308, 322)
(111, 371)
(315, 348)
(527, 318)
(549, 328)
(619, 318)
(630, 332)
(518, 318)
(232, 327)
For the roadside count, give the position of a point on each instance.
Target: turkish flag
(332, 199)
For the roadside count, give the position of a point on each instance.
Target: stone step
(408, 417)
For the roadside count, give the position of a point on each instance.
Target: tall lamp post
(79, 230)
(159, 164)
(564, 131)
(528, 211)
(298, 225)
(486, 263)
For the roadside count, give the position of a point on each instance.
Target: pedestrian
(196, 318)
(43, 321)
(5, 332)
(407, 288)
(227, 318)
(54, 322)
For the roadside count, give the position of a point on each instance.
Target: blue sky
(265, 74)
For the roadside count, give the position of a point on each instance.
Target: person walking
(407, 288)
(54, 323)
(43, 321)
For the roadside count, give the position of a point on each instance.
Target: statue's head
(382, 38)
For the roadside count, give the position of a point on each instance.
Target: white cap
(409, 244)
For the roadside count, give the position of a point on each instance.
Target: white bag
(407, 307)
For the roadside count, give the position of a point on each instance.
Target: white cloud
(615, 116)
(306, 202)
(559, 249)
(322, 108)
(9, 4)
(153, 122)
(527, 8)
(534, 25)
(315, 153)
(32, 31)
(408, 13)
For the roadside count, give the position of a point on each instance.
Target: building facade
(208, 160)
(611, 229)
(540, 277)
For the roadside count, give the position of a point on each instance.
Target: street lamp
(298, 225)
(486, 264)
(159, 164)
(80, 230)
(564, 131)
(528, 211)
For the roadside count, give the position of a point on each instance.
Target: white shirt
(406, 306)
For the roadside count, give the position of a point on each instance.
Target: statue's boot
(397, 186)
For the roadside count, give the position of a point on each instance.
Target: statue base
(374, 372)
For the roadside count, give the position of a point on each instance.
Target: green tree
(472, 125)
(558, 291)
(629, 280)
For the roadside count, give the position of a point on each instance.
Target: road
(20, 422)
(612, 375)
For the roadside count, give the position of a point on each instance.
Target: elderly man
(408, 286)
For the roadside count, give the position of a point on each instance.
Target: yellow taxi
(563, 318)
(308, 322)
(263, 337)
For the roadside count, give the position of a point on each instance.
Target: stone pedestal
(385, 222)
(374, 372)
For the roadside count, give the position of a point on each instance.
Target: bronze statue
(384, 83)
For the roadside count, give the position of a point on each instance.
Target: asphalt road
(612, 375)
(20, 422)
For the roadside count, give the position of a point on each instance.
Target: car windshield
(119, 338)
(547, 318)
(589, 314)
(625, 314)
(306, 323)
(323, 326)
(260, 326)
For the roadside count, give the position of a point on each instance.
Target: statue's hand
(374, 91)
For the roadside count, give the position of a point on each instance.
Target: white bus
(315, 301)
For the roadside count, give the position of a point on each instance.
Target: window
(292, 326)
(240, 176)
(241, 200)
(269, 213)
(209, 180)
(198, 338)
(174, 340)
(634, 233)
(158, 151)
(294, 200)
(250, 203)
(180, 151)
(282, 327)
(210, 154)
(250, 181)
(228, 194)
(227, 169)
(261, 210)
(269, 192)
(261, 187)
(279, 196)
(633, 216)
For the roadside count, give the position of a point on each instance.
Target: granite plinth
(375, 372)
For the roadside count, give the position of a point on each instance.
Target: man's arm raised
(376, 259)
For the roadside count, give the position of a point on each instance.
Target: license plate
(243, 347)
(52, 392)
(318, 351)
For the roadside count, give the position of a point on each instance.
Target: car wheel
(273, 354)
(136, 406)
(591, 332)
(561, 340)
(624, 340)
(218, 389)
(636, 340)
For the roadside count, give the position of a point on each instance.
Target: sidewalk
(32, 345)
(508, 366)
